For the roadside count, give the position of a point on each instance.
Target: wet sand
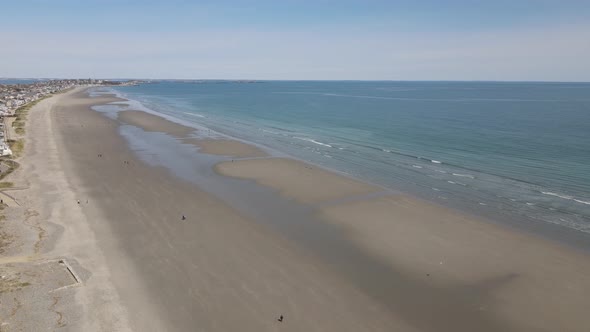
(150, 122)
(362, 259)
(443, 264)
(430, 267)
(154, 123)
(226, 147)
(214, 271)
(297, 180)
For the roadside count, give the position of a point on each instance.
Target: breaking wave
(313, 141)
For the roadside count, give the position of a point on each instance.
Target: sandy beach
(352, 257)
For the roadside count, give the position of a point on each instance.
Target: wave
(313, 141)
(394, 152)
(434, 161)
(567, 197)
(416, 166)
(282, 129)
(464, 175)
(195, 114)
(459, 183)
(558, 195)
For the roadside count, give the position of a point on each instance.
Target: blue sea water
(498, 149)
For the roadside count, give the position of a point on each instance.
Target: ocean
(502, 150)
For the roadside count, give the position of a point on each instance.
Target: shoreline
(485, 187)
(567, 236)
(217, 264)
(282, 238)
(370, 238)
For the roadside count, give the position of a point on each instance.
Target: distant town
(15, 96)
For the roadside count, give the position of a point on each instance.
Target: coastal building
(13, 96)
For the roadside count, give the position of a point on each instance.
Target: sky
(499, 40)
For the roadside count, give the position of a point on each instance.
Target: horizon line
(291, 80)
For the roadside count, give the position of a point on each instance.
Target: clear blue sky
(298, 39)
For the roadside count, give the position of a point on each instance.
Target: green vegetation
(20, 117)
(4, 185)
(12, 165)
(17, 147)
(10, 285)
(25, 108)
(5, 240)
(22, 112)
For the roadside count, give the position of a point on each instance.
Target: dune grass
(12, 165)
(17, 147)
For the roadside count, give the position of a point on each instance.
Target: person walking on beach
(280, 318)
(183, 217)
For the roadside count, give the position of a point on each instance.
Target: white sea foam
(435, 189)
(416, 166)
(436, 161)
(313, 141)
(459, 183)
(195, 114)
(438, 170)
(565, 197)
(464, 175)
(529, 204)
(558, 195)
(385, 150)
